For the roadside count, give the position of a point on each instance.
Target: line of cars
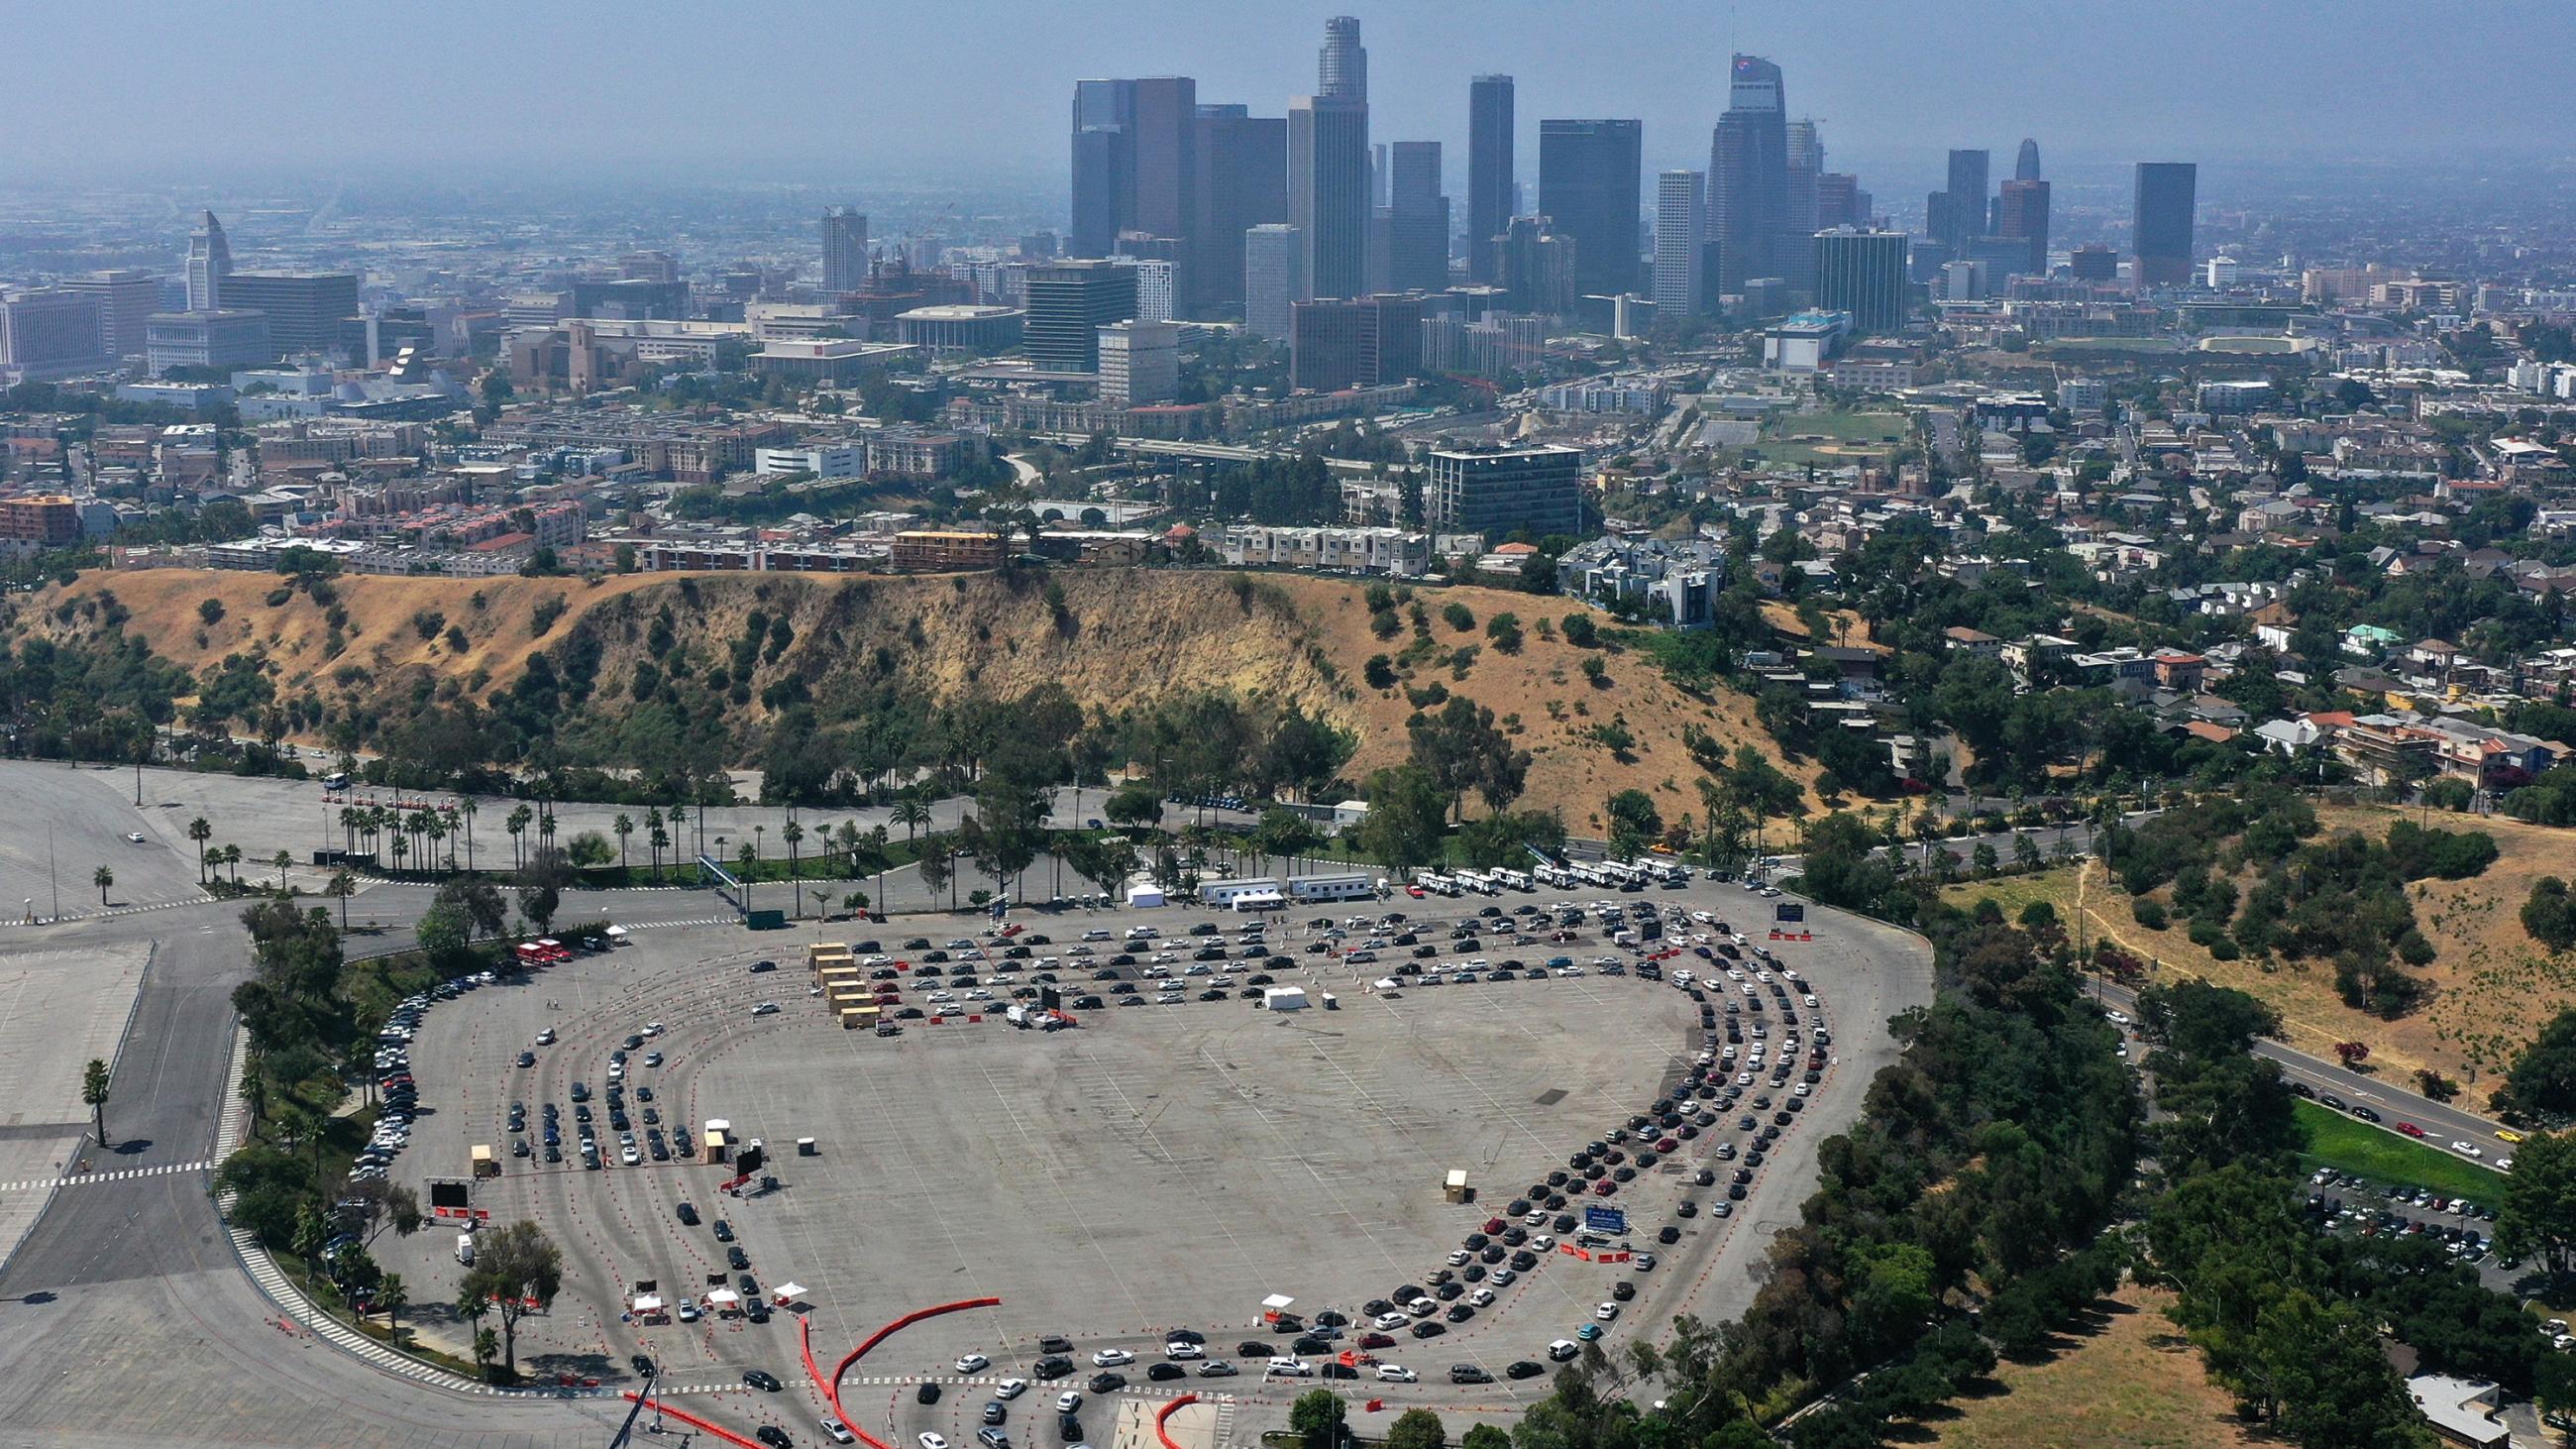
(397, 1091)
(632, 1148)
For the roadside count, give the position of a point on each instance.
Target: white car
(135, 836)
(1390, 1321)
(1390, 1373)
(766, 1008)
(973, 1363)
(1606, 1312)
(1482, 1298)
(688, 1311)
(1179, 1348)
(834, 1431)
(1112, 1358)
(652, 1028)
(1068, 1402)
(2468, 1149)
(933, 1441)
(1503, 1277)
(1563, 1349)
(1010, 1388)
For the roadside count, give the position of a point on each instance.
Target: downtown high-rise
(1489, 170)
(1242, 183)
(1957, 212)
(210, 261)
(1681, 246)
(1862, 273)
(1418, 219)
(1589, 173)
(845, 249)
(1748, 176)
(1328, 191)
(2161, 221)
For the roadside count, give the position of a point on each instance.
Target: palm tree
(401, 845)
(94, 1082)
(910, 813)
(254, 1091)
(233, 859)
(621, 827)
(281, 860)
(343, 885)
(822, 901)
(659, 839)
(517, 825)
(349, 829)
(102, 878)
(792, 833)
(750, 858)
(392, 1297)
(471, 808)
(200, 831)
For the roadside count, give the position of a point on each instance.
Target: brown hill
(1122, 636)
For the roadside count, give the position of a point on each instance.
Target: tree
(1417, 1429)
(1634, 821)
(341, 886)
(517, 1270)
(912, 813)
(1317, 1417)
(2543, 1079)
(1484, 1436)
(2548, 916)
(201, 830)
(1407, 814)
(393, 1298)
(621, 827)
(2352, 1053)
(282, 861)
(94, 1083)
(2538, 1218)
(1133, 805)
(102, 878)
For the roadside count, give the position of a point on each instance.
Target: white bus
(1517, 880)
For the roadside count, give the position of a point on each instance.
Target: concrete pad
(59, 1010)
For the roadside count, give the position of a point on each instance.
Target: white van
(465, 1249)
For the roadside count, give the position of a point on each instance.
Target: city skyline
(1001, 105)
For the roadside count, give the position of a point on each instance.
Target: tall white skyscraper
(845, 249)
(1681, 244)
(210, 260)
(1274, 278)
(1341, 69)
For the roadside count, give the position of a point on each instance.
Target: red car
(1604, 1188)
(1414, 891)
(2410, 1129)
(1376, 1340)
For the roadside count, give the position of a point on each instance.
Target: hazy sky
(153, 91)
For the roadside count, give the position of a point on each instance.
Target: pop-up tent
(787, 1293)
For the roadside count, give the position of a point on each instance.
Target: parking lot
(1152, 1166)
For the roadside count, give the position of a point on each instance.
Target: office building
(1328, 190)
(1069, 302)
(1588, 178)
(1274, 278)
(845, 249)
(218, 338)
(1748, 175)
(50, 332)
(126, 301)
(1962, 206)
(1140, 363)
(1534, 266)
(2161, 221)
(1539, 489)
(631, 299)
(1806, 156)
(2026, 162)
(2093, 262)
(1681, 245)
(1164, 141)
(1243, 183)
(1489, 170)
(1862, 273)
(1417, 219)
(1103, 162)
(305, 309)
(1337, 343)
(210, 260)
(1341, 68)
(1839, 201)
(2022, 215)
(1157, 279)
(40, 520)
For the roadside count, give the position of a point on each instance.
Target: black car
(762, 1380)
(1524, 1369)
(737, 1259)
(927, 1394)
(1107, 1383)
(643, 1366)
(773, 1436)
(1459, 1313)
(1467, 1373)
(688, 1214)
(1068, 1428)
(1623, 1290)
(1053, 1366)
(723, 1231)
(1429, 1328)
(1252, 1348)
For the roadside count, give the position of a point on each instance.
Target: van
(465, 1249)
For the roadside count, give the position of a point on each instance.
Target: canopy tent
(617, 932)
(647, 1303)
(1276, 1303)
(786, 1293)
(724, 1298)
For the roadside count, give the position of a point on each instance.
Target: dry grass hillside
(1121, 637)
(2489, 989)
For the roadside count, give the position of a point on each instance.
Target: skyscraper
(845, 249)
(1838, 201)
(2026, 164)
(1243, 183)
(210, 260)
(1489, 170)
(1589, 173)
(1164, 133)
(1964, 206)
(1328, 190)
(1535, 266)
(1069, 302)
(2161, 220)
(1681, 236)
(305, 309)
(1748, 174)
(1418, 229)
(1341, 68)
(1274, 278)
(1806, 163)
(2023, 216)
(1863, 273)
(126, 301)
(1103, 165)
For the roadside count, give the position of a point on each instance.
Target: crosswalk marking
(121, 1175)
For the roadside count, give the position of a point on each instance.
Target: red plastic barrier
(1167, 1411)
(830, 1388)
(694, 1422)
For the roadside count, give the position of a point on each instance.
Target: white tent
(724, 1298)
(647, 1303)
(786, 1293)
(1276, 1303)
(1143, 895)
(617, 933)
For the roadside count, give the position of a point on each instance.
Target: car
(973, 1363)
(765, 1008)
(2410, 1129)
(1069, 1402)
(835, 1431)
(933, 1441)
(723, 1231)
(1467, 1373)
(688, 1214)
(1217, 1368)
(1606, 1312)
(1112, 1358)
(2468, 1149)
(1524, 1369)
(1429, 1328)
(1588, 1332)
(995, 1411)
(1390, 1373)
(736, 1258)
(527, 1059)
(773, 1436)
(762, 1379)
(1183, 1348)
(643, 1366)
(1107, 1383)
(1623, 1291)
(2507, 1134)
(1162, 1371)
(1053, 1366)
(1068, 1428)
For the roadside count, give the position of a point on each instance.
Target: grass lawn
(2339, 1142)
(1881, 433)
(2129, 1380)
